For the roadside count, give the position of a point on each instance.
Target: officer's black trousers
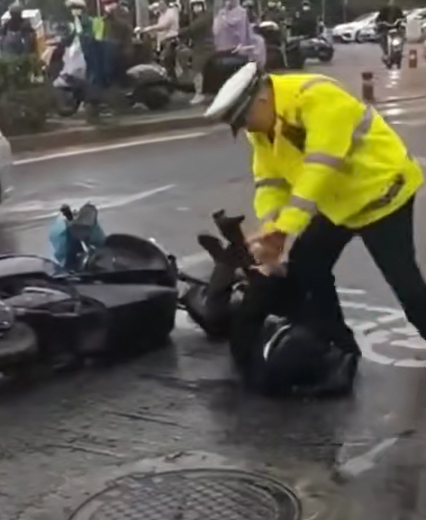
(390, 242)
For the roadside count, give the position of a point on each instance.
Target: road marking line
(397, 111)
(365, 462)
(192, 260)
(410, 122)
(344, 290)
(110, 147)
(51, 208)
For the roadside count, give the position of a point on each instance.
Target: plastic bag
(65, 247)
(74, 63)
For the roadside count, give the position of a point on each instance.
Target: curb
(92, 135)
(101, 134)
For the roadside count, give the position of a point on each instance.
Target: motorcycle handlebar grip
(67, 212)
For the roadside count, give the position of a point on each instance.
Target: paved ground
(186, 399)
(352, 60)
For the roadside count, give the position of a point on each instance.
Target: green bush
(24, 96)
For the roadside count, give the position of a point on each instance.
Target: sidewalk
(349, 64)
(76, 132)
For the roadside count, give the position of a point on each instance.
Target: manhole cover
(193, 495)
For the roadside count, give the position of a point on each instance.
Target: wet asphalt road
(368, 451)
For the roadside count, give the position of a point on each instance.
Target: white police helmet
(235, 97)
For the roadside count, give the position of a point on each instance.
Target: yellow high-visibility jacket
(331, 154)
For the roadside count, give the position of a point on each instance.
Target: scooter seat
(15, 266)
(130, 259)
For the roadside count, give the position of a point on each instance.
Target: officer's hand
(268, 249)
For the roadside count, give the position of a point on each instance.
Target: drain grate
(193, 495)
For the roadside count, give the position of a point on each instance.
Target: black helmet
(15, 8)
(293, 357)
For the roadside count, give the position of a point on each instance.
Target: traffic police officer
(326, 167)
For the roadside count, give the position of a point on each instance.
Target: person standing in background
(167, 30)
(232, 30)
(252, 14)
(114, 33)
(81, 27)
(305, 22)
(18, 38)
(199, 32)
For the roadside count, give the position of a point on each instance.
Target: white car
(6, 165)
(360, 30)
(418, 15)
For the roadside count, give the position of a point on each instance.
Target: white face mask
(197, 9)
(110, 8)
(76, 12)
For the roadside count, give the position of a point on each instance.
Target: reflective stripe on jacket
(331, 154)
(98, 28)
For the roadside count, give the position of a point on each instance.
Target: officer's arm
(271, 194)
(330, 120)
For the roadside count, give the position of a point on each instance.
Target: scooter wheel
(67, 104)
(326, 56)
(18, 345)
(154, 98)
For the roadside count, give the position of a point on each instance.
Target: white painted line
(365, 462)
(400, 110)
(109, 147)
(344, 290)
(410, 122)
(192, 260)
(50, 208)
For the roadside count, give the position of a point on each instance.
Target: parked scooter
(280, 53)
(395, 43)
(142, 83)
(317, 48)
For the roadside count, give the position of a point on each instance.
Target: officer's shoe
(347, 343)
(343, 368)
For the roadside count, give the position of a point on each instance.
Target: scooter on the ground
(103, 297)
(140, 83)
